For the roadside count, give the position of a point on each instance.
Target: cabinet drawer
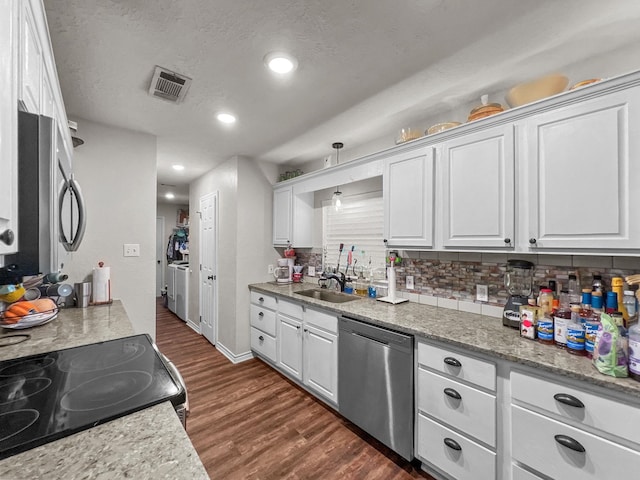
(457, 365)
(534, 443)
(289, 308)
(474, 413)
(326, 321)
(472, 461)
(267, 301)
(263, 319)
(264, 344)
(598, 412)
(519, 473)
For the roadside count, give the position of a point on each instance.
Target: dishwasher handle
(381, 342)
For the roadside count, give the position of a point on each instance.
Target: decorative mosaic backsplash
(455, 275)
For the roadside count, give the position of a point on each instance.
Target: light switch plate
(482, 293)
(311, 271)
(269, 268)
(131, 250)
(409, 282)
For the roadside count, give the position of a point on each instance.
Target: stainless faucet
(338, 277)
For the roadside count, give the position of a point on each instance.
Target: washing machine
(182, 291)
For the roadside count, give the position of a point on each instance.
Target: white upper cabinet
(31, 60)
(580, 190)
(8, 127)
(478, 189)
(292, 218)
(408, 198)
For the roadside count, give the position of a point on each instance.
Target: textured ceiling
(366, 68)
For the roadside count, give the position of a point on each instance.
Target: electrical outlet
(482, 293)
(270, 269)
(409, 282)
(311, 271)
(131, 250)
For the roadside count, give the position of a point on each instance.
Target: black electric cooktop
(52, 395)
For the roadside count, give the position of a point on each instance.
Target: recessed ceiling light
(281, 63)
(169, 195)
(178, 167)
(226, 118)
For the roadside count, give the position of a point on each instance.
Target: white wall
(245, 200)
(116, 169)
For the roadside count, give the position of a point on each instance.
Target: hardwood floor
(249, 422)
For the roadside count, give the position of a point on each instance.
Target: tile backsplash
(454, 276)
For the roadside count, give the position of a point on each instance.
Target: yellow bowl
(538, 89)
(441, 127)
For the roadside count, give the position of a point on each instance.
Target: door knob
(507, 240)
(7, 236)
(532, 241)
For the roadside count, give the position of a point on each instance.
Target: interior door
(208, 264)
(160, 252)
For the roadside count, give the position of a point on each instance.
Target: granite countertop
(469, 331)
(147, 444)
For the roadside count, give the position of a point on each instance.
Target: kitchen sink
(327, 295)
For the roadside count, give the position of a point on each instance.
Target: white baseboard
(231, 356)
(194, 326)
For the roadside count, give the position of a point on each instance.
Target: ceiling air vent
(169, 85)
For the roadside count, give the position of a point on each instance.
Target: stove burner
(26, 366)
(106, 391)
(12, 423)
(104, 356)
(22, 388)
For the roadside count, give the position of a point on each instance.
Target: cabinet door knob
(298, 327)
(452, 444)
(261, 299)
(305, 330)
(261, 314)
(261, 338)
(210, 277)
(569, 442)
(452, 361)
(7, 237)
(385, 240)
(532, 241)
(507, 240)
(568, 400)
(450, 392)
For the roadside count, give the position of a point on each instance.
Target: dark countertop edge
(600, 380)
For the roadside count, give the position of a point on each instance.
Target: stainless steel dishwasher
(375, 382)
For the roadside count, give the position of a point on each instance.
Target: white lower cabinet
(561, 451)
(304, 343)
(563, 431)
(321, 361)
(262, 317)
(453, 454)
(456, 432)
(290, 346)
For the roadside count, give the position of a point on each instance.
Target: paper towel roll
(101, 285)
(391, 273)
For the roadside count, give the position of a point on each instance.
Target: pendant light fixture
(336, 199)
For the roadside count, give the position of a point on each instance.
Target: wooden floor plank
(248, 421)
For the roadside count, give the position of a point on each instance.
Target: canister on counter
(529, 320)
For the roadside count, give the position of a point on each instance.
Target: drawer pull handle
(569, 442)
(450, 392)
(261, 314)
(261, 299)
(452, 361)
(261, 338)
(568, 400)
(452, 444)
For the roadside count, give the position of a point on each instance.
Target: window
(360, 224)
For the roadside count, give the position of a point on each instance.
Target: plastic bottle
(611, 303)
(545, 301)
(597, 302)
(561, 321)
(617, 285)
(629, 301)
(634, 351)
(573, 289)
(597, 285)
(585, 305)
